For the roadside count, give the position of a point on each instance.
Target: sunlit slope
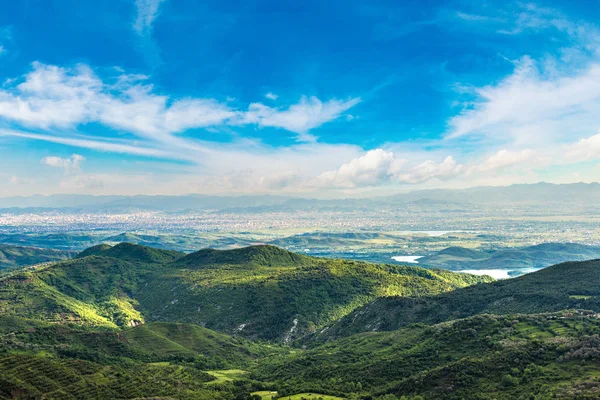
(267, 292)
(259, 291)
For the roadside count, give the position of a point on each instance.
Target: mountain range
(518, 258)
(539, 194)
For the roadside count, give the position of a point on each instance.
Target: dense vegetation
(261, 291)
(560, 287)
(483, 357)
(12, 257)
(73, 362)
(133, 322)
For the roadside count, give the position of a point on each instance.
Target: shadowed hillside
(559, 287)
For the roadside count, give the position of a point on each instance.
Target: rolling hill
(160, 360)
(12, 257)
(563, 286)
(134, 322)
(531, 257)
(258, 292)
(483, 357)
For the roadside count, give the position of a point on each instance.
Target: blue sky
(319, 98)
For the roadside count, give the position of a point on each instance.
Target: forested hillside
(260, 292)
(133, 322)
(12, 257)
(562, 286)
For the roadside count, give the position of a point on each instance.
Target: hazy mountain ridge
(515, 195)
(538, 256)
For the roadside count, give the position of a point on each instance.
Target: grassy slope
(562, 286)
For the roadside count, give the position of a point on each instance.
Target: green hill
(266, 292)
(133, 322)
(539, 256)
(12, 257)
(155, 360)
(562, 286)
(483, 357)
(259, 292)
(132, 252)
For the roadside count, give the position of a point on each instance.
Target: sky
(314, 98)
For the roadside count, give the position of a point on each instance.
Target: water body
(435, 233)
(499, 273)
(407, 259)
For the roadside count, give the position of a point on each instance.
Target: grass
(227, 375)
(310, 396)
(265, 394)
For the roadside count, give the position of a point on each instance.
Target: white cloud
(504, 159)
(92, 144)
(553, 99)
(428, 170)
(271, 96)
(51, 97)
(308, 114)
(375, 167)
(530, 105)
(146, 13)
(378, 167)
(584, 150)
(2, 50)
(71, 164)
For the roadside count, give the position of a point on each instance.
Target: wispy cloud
(545, 101)
(300, 118)
(146, 12)
(51, 97)
(99, 145)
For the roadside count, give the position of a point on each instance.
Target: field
(268, 395)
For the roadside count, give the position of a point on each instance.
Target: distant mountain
(539, 256)
(564, 286)
(259, 291)
(17, 256)
(528, 195)
(106, 203)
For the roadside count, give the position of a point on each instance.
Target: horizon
(298, 197)
(164, 97)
